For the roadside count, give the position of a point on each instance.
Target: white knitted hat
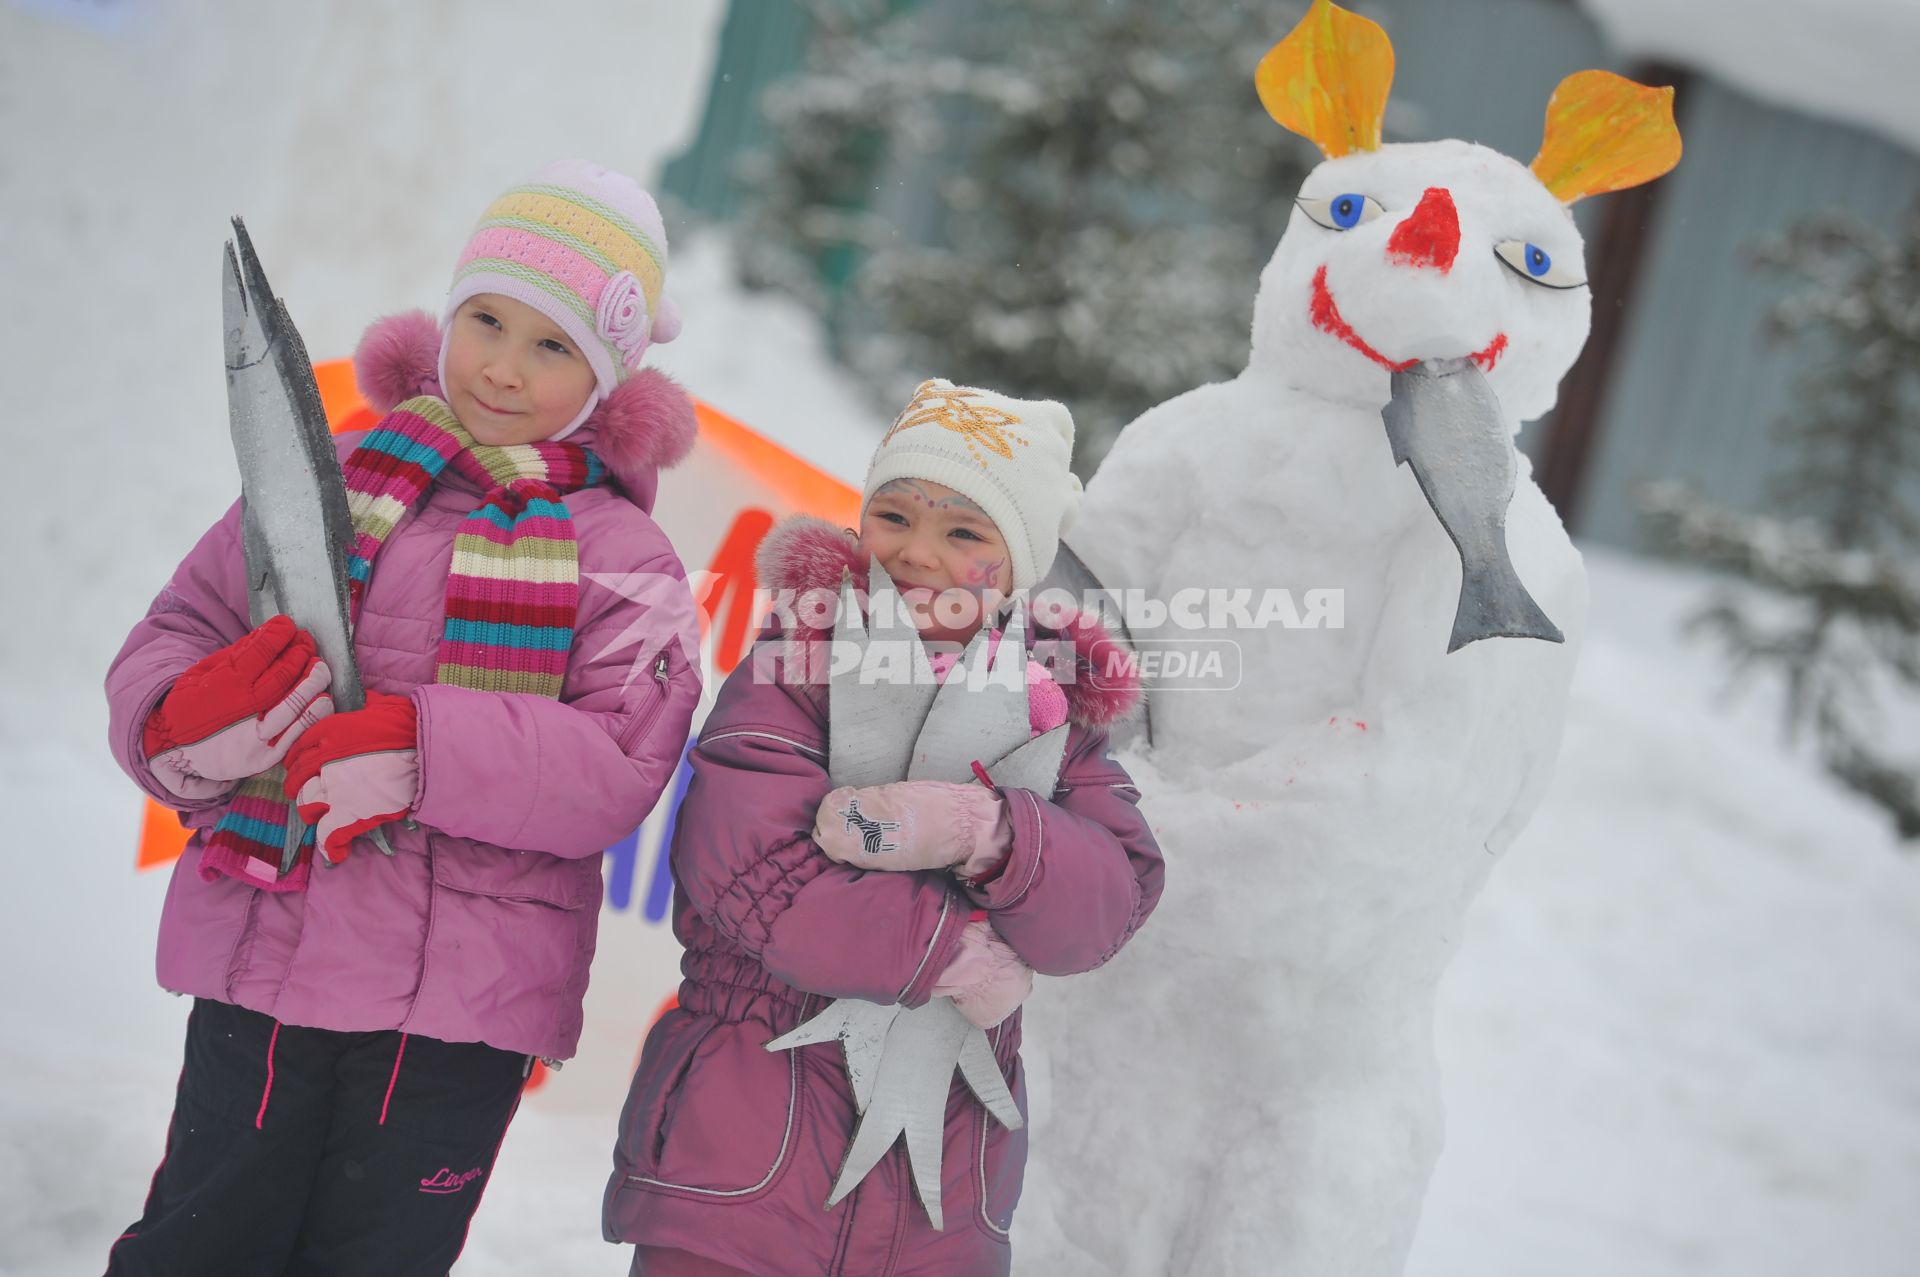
(1008, 456)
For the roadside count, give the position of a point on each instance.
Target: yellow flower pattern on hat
(978, 424)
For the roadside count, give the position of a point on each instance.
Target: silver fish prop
(1444, 422)
(296, 529)
(908, 727)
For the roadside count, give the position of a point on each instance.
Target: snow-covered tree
(1058, 198)
(1839, 614)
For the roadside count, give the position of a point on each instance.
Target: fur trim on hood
(646, 424)
(803, 554)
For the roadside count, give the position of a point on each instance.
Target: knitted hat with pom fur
(1008, 456)
(585, 247)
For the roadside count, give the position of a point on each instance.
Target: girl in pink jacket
(727, 1152)
(363, 1025)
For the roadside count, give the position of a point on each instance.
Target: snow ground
(1678, 1037)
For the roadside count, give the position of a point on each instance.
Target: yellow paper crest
(1605, 133)
(1328, 79)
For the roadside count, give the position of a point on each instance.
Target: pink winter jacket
(729, 1151)
(481, 925)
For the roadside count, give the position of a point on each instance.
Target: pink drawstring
(261, 1116)
(390, 1081)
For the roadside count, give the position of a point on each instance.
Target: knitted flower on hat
(1008, 456)
(585, 247)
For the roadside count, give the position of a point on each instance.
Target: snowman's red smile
(1327, 318)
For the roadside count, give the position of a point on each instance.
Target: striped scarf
(511, 593)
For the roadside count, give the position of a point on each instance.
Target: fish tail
(1494, 603)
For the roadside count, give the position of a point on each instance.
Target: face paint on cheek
(983, 573)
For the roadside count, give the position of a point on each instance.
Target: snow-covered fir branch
(1794, 557)
(1064, 199)
(1839, 614)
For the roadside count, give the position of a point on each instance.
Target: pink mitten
(236, 712)
(986, 979)
(1046, 700)
(913, 824)
(360, 773)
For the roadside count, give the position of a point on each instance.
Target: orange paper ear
(1328, 80)
(1605, 133)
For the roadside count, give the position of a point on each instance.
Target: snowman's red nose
(1430, 236)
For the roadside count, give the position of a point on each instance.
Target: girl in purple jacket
(361, 1030)
(727, 1152)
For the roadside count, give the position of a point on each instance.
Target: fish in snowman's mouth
(1327, 318)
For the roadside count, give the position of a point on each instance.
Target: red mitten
(358, 774)
(235, 713)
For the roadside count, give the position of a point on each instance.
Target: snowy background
(1679, 1038)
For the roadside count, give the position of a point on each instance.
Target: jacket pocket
(664, 1063)
(510, 938)
(478, 869)
(656, 699)
(728, 1120)
(999, 1159)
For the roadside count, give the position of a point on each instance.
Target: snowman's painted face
(1428, 250)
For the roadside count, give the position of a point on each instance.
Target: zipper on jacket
(644, 723)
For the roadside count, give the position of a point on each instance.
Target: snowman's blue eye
(1535, 265)
(1341, 212)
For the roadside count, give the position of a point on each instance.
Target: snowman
(1251, 1087)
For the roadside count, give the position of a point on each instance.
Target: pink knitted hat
(585, 247)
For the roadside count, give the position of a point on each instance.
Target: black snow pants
(307, 1153)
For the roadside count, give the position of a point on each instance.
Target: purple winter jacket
(729, 1151)
(481, 925)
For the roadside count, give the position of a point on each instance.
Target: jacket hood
(646, 425)
(802, 554)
